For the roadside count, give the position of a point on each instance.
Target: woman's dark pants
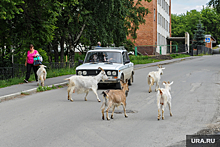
(29, 66)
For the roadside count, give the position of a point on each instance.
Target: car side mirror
(127, 61)
(80, 61)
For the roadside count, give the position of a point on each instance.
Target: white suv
(114, 60)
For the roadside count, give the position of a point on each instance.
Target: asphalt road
(48, 119)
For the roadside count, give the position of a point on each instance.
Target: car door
(126, 66)
(130, 66)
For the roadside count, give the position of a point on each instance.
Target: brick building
(156, 28)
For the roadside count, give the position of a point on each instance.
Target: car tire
(131, 80)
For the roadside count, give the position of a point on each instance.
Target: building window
(154, 14)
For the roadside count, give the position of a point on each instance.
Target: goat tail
(148, 79)
(161, 92)
(67, 79)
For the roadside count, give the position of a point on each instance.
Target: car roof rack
(110, 47)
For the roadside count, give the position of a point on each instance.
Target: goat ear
(104, 94)
(164, 83)
(163, 68)
(171, 83)
(158, 65)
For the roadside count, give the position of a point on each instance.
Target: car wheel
(131, 80)
(122, 78)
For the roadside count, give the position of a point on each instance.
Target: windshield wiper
(93, 62)
(108, 62)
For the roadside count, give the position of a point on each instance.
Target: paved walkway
(31, 87)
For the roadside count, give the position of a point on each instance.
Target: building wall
(147, 33)
(163, 22)
(157, 26)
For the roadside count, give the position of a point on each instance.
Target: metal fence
(200, 50)
(19, 70)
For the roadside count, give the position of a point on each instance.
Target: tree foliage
(215, 4)
(199, 36)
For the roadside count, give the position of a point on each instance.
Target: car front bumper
(110, 81)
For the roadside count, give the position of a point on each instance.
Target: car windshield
(108, 57)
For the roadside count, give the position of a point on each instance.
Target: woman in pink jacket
(30, 63)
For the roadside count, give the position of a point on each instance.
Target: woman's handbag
(38, 60)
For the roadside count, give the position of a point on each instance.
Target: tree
(199, 36)
(215, 4)
(210, 19)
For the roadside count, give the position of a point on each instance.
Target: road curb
(167, 62)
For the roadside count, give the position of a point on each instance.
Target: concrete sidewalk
(11, 92)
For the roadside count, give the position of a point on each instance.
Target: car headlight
(84, 73)
(79, 72)
(109, 73)
(114, 73)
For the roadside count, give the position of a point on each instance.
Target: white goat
(83, 84)
(164, 98)
(113, 98)
(41, 74)
(154, 77)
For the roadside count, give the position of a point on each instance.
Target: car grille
(95, 72)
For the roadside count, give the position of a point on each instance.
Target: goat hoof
(103, 117)
(71, 100)
(126, 116)
(99, 100)
(171, 114)
(162, 118)
(85, 99)
(108, 118)
(112, 117)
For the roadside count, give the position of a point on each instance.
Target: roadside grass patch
(203, 54)
(24, 93)
(60, 86)
(179, 55)
(43, 88)
(54, 87)
(140, 59)
(46, 88)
